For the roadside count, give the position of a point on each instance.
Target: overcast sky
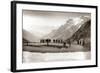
(41, 23)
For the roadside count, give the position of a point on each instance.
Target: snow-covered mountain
(68, 29)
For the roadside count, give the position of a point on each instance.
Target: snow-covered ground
(45, 57)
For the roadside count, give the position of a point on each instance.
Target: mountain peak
(68, 29)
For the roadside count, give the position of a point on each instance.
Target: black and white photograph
(48, 36)
(56, 36)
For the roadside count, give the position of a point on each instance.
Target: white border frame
(53, 64)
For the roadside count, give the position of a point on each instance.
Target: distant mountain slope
(27, 36)
(68, 29)
(51, 34)
(25, 41)
(83, 31)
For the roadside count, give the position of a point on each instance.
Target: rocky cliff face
(68, 29)
(84, 32)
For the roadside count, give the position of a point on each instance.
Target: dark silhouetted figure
(69, 42)
(64, 44)
(54, 41)
(83, 43)
(78, 42)
(48, 41)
